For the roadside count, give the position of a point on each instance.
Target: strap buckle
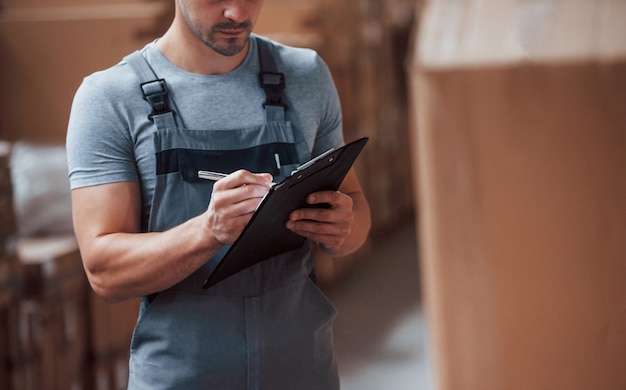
(155, 92)
(273, 83)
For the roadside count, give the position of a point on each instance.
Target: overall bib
(267, 327)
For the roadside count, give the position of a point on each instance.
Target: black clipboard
(267, 225)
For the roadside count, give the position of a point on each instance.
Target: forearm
(130, 265)
(126, 265)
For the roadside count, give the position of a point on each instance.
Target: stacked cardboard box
(7, 298)
(42, 304)
(55, 333)
(9, 271)
(520, 142)
(69, 337)
(7, 330)
(110, 335)
(47, 47)
(365, 46)
(291, 22)
(53, 316)
(8, 227)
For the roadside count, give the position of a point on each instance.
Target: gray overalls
(267, 327)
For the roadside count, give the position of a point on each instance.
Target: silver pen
(209, 175)
(215, 176)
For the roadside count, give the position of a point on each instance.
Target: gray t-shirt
(109, 135)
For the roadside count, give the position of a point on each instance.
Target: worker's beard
(224, 45)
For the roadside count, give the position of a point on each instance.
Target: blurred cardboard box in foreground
(520, 140)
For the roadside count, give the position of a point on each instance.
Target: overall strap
(272, 81)
(154, 90)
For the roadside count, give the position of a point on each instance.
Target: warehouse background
(496, 174)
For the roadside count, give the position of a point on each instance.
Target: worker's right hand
(233, 201)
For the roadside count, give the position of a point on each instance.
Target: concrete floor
(380, 332)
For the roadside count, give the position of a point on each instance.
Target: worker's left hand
(328, 226)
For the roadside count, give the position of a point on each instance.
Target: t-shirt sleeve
(312, 94)
(330, 131)
(99, 144)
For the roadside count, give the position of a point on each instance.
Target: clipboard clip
(313, 161)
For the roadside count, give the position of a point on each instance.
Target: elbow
(105, 275)
(107, 295)
(101, 286)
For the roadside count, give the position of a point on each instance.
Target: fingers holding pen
(240, 192)
(243, 178)
(233, 201)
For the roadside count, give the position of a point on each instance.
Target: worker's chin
(229, 46)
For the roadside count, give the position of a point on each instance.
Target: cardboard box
(47, 49)
(8, 227)
(520, 143)
(52, 318)
(111, 372)
(8, 330)
(10, 272)
(112, 327)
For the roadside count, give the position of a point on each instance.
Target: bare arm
(341, 229)
(121, 262)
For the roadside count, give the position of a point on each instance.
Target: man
(141, 215)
